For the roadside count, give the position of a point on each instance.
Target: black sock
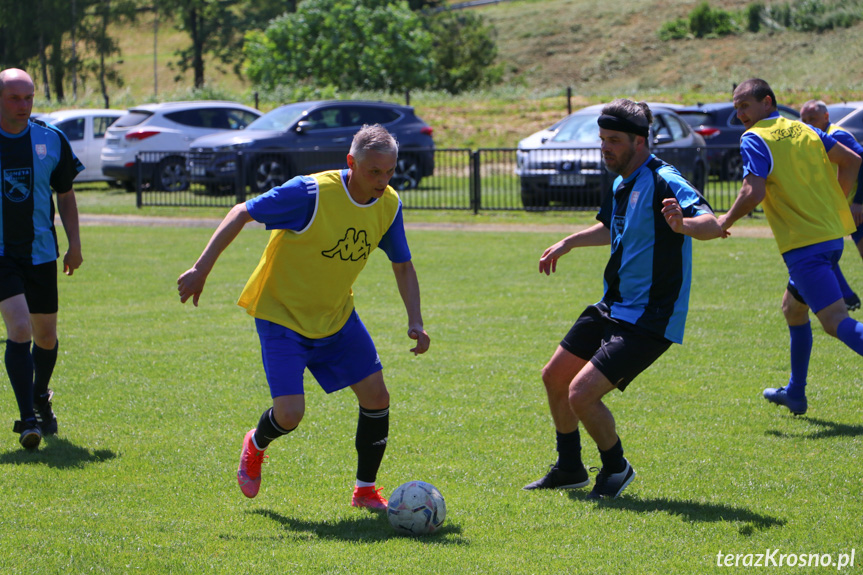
(268, 430)
(19, 366)
(612, 460)
(569, 451)
(43, 368)
(373, 427)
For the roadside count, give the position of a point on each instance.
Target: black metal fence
(440, 179)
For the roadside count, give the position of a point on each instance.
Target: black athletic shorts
(618, 349)
(38, 283)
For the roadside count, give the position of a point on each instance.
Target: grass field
(153, 399)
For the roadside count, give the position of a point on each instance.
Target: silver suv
(163, 129)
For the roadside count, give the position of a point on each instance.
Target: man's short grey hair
(818, 105)
(636, 112)
(375, 138)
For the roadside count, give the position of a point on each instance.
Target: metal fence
(442, 179)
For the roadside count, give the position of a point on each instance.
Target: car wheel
(269, 172)
(407, 174)
(732, 166)
(533, 199)
(171, 175)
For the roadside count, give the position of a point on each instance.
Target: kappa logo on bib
(353, 247)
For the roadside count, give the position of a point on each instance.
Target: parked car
(717, 123)
(842, 109)
(85, 129)
(851, 120)
(308, 137)
(568, 166)
(163, 133)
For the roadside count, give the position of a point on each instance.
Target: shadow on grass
(826, 429)
(57, 453)
(370, 527)
(749, 521)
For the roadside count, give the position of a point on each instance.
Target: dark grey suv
(308, 137)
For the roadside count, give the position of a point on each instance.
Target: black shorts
(38, 283)
(619, 350)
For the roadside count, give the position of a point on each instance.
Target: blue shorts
(811, 272)
(336, 362)
(858, 234)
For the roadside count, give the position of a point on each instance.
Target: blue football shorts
(813, 281)
(336, 362)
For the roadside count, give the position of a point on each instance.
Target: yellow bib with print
(304, 279)
(804, 203)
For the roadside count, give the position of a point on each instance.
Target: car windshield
(695, 119)
(839, 111)
(280, 118)
(579, 128)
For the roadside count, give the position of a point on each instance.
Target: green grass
(153, 398)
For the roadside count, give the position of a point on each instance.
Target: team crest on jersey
(633, 198)
(618, 223)
(41, 150)
(17, 183)
(353, 247)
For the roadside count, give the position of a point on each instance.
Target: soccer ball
(416, 508)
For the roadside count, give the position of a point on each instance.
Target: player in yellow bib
(789, 166)
(324, 227)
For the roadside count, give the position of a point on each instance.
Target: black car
(309, 137)
(721, 129)
(563, 163)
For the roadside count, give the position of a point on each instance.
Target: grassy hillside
(601, 50)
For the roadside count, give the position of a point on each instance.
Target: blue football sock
(801, 350)
(850, 332)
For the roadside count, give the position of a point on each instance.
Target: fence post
(240, 177)
(475, 182)
(139, 194)
(569, 100)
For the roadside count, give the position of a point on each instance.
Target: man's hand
(72, 260)
(422, 338)
(191, 284)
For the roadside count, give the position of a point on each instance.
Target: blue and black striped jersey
(648, 275)
(31, 164)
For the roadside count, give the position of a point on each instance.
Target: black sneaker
(44, 414)
(31, 434)
(611, 484)
(558, 479)
(852, 302)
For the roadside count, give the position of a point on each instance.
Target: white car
(85, 129)
(160, 134)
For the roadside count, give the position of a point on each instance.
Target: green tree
(348, 44)
(464, 51)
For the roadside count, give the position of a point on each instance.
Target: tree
(347, 44)
(464, 51)
(213, 27)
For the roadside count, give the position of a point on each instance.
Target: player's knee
(18, 331)
(288, 416)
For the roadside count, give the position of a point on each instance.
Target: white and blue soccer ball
(416, 508)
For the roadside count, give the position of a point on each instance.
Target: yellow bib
(804, 204)
(304, 279)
